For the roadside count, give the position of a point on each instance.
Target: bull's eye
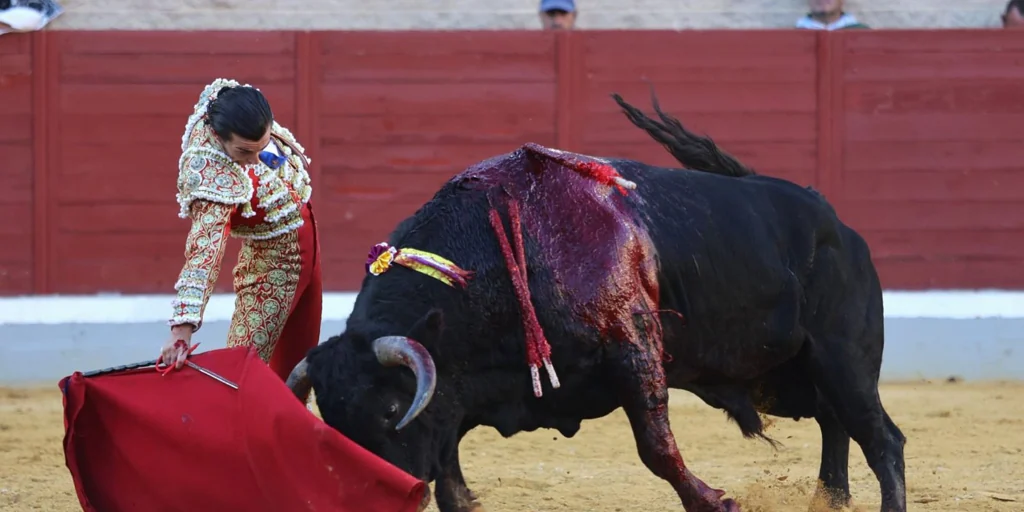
(391, 412)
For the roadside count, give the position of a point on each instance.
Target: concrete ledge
(938, 348)
(933, 335)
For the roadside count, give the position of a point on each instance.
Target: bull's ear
(428, 328)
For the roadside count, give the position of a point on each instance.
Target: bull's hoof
(730, 505)
(425, 502)
(473, 507)
(726, 505)
(460, 506)
(828, 499)
(712, 502)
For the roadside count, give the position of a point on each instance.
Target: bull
(621, 280)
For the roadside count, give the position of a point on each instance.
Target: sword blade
(212, 375)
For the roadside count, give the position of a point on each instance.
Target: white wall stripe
(128, 309)
(131, 309)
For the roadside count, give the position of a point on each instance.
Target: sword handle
(121, 368)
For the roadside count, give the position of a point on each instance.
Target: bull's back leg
(833, 474)
(644, 397)
(839, 372)
(844, 360)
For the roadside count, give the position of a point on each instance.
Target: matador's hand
(176, 349)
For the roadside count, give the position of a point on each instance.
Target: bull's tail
(691, 150)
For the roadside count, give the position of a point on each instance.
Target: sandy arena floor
(965, 452)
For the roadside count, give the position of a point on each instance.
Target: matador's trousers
(279, 296)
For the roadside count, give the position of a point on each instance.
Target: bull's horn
(399, 350)
(298, 380)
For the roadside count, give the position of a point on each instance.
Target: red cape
(136, 440)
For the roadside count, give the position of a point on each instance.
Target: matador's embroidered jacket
(256, 203)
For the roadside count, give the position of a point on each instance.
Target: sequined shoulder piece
(207, 173)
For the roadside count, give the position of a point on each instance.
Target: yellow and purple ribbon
(382, 256)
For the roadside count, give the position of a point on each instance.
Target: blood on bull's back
(578, 230)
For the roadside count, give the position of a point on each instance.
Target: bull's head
(363, 382)
(390, 351)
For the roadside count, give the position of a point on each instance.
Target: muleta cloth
(136, 440)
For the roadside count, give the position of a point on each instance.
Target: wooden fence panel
(16, 172)
(932, 155)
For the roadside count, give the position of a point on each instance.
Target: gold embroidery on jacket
(204, 252)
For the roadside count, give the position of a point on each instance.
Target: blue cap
(564, 5)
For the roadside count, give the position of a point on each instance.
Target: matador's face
(244, 151)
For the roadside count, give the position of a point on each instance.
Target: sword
(212, 375)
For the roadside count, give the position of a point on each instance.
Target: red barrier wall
(914, 136)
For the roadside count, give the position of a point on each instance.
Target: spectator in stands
(828, 15)
(558, 14)
(1013, 16)
(27, 15)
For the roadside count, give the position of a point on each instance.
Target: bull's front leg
(450, 488)
(451, 491)
(644, 398)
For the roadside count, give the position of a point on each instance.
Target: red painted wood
(837, 121)
(934, 215)
(899, 244)
(936, 184)
(16, 172)
(913, 135)
(568, 71)
(46, 90)
(17, 44)
(826, 161)
(154, 99)
(437, 57)
(176, 69)
(214, 42)
(305, 101)
(726, 57)
(931, 164)
(924, 274)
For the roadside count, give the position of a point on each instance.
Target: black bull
(746, 290)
